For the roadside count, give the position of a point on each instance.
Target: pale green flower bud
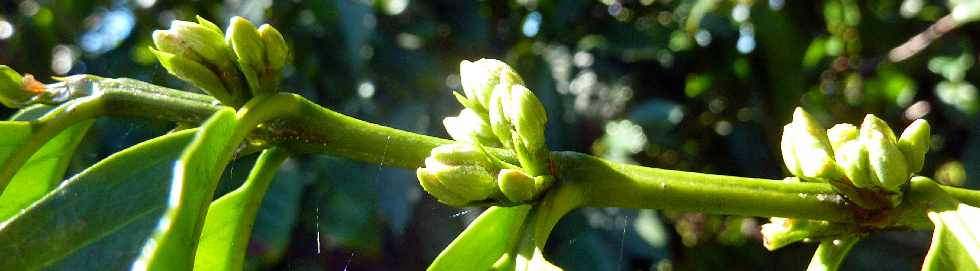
(468, 124)
(516, 185)
(499, 121)
(202, 43)
(810, 147)
(431, 184)
(473, 183)
(518, 120)
(208, 24)
(459, 154)
(481, 77)
(206, 43)
(914, 143)
(276, 51)
(852, 158)
(195, 73)
(13, 93)
(887, 163)
(248, 47)
(528, 116)
(787, 146)
(841, 133)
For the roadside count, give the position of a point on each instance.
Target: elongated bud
(481, 77)
(168, 41)
(468, 124)
(276, 51)
(195, 73)
(887, 163)
(459, 154)
(431, 184)
(516, 185)
(841, 133)
(787, 145)
(914, 143)
(248, 47)
(528, 116)
(470, 182)
(208, 24)
(852, 158)
(202, 40)
(13, 93)
(202, 43)
(810, 146)
(499, 122)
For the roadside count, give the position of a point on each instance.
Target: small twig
(919, 42)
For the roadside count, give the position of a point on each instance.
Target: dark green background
(713, 106)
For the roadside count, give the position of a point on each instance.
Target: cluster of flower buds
(461, 174)
(244, 63)
(868, 165)
(499, 112)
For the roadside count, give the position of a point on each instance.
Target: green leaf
(483, 241)
(15, 133)
(230, 218)
(831, 252)
(196, 175)
(277, 217)
(955, 245)
(99, 218)
(43, 171)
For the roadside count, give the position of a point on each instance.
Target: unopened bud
(528, 116)
(809, 145)
(516, 185)
(195, 73)
(481, 77)
(887, 163)
(276, 51)
(468, 124)
(914, 143)
(203, 44)
(203, 41)
(499, 121)
(787, 146)
(208, 24)
(247, 45)
(841, 133)
(473, 183)
(431, 184)
(459, 154)
(852, 158)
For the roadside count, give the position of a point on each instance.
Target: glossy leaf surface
(43, 171)
(195, 177)
(98, 218)
(229, 221)
(484, 241)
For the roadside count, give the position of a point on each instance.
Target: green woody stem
(304, 127)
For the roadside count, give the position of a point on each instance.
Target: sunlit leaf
(955, 243)
(99, 218)
(483, 241)
(230, 218)
(43, 171)
(195, 177)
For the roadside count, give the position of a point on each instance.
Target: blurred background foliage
(691, 85)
